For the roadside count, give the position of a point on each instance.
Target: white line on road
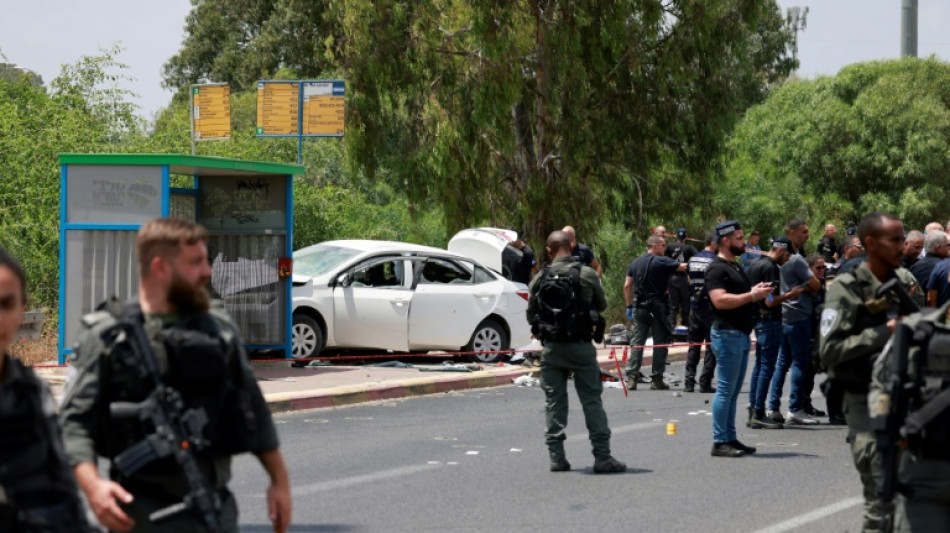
(813, 516)
(313, 488)
(619, 429)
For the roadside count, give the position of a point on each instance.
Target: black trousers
(700, 324)
(679, 299)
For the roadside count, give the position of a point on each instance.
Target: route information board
(323, 108)
(305, 108)
(211, 111)
(278, 111)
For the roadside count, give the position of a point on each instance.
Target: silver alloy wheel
(487, 338)
(304, 342)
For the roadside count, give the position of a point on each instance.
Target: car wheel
(489, 335)
(307, 338)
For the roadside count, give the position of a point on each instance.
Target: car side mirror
(344, 280)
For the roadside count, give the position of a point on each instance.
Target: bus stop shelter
(247, 207)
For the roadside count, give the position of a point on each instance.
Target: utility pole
(909, 28)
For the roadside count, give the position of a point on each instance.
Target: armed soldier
(38, 492)
(164, 389)
(564, 298)
(910, 406)
(855, 325)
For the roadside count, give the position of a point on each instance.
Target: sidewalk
(292, 389)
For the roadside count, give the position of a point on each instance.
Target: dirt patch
(36, 352)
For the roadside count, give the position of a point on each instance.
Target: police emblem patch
(828, 319)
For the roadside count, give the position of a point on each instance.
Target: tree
(876, 136)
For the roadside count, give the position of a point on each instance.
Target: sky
(43, 35)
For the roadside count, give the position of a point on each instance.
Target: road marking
(618, 430)
(336, 484)
(813, 516)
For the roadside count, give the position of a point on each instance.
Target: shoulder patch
(829, 317)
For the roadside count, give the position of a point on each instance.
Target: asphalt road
(476, 461)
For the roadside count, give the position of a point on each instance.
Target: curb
(284, 402)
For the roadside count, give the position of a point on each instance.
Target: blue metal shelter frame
(105, 199)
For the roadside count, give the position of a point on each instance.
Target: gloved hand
(629, 312)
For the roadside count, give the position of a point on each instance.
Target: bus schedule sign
(211, 111)
(310, 108)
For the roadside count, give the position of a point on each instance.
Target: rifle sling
(915, 422)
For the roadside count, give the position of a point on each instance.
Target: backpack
(563, 315)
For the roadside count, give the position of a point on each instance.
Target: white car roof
(366, 246)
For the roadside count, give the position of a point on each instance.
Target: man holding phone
(795, 351)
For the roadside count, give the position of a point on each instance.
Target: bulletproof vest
(34, 470)
(931, 366)
(696, 271)
(857, 372)
(199, 359)
(563, 315)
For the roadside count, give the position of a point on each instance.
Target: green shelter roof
(188, 165)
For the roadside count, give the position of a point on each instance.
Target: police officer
(564, 353)
(681, 252)
(700, 319)
(582, 252)
(645, 290)
(854, 328)
(197, 351)
(924, 468)
(827, 246)
(38, 492)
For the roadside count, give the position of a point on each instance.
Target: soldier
(681, 252)
(645, 289)
(574, 289)
(172, 336)
(700, 319)
(38, 492)
(855, 325)
(923, 421)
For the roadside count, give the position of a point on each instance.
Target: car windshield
(318, 260)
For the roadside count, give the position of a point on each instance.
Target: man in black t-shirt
(733, 298)
(582, 252)
(680, 252)
(646, 291)
(827, 246)
(768, 330)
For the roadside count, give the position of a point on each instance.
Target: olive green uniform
(99, 379)
(924, 467)
(851, 337)
(560, 359)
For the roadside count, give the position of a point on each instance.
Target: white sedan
(402, 297)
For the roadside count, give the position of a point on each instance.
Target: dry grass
(39, 351)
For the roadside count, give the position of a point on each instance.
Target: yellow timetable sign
(278, 108)
(323, 108)
(211, 111)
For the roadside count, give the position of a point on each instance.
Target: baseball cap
(727, 227)
(681, 232)
(781, 241)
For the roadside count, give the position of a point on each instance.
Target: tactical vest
(927, 425)
(34, 470)
(562, 313)
(199, 358)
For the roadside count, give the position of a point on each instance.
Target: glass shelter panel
(99, 265)
(236, 205)
(244, 277)
(183, 206)
(113, 194)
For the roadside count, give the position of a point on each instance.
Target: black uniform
(679, 283)
(700, 322)
(828, 248)
(39, 492)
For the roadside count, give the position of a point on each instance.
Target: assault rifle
(889, 412)
(883, 300)
(178, 433)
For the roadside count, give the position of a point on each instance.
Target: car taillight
(523, 294)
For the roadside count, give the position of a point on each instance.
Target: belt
(768, 318)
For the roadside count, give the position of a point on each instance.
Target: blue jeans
(768, 338)
(795, 354)
(732, 356)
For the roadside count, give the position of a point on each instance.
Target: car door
(371, 305)
(451, 298)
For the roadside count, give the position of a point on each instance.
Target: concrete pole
(909, 28)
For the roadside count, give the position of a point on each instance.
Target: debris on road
(526, 381)
(393, 364)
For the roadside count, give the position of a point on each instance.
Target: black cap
(681, 233)
(781, 242)
(727, 227)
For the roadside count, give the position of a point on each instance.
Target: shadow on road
(779, 455)
(590, 472)
(299, 528)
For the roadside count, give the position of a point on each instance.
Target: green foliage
(876, 136)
